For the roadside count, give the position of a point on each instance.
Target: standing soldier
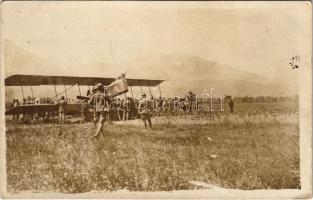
(92, 109)
(17, 103)
(231, 105)
(85, 111)
(101, 104)
(61, 103)
(15, 116)
(109, 105)
(165, 106)
(159, 105)
(175, 105)
(12, 106)
(126, 109)
(190, 97)
(181, 105)
(145, 108)
(119, 108)
(133, 113)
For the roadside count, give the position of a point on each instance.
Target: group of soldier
(15, 103)
(100, 107)
(25, 101)
(117, 109)
(106, 108)
(125, 109)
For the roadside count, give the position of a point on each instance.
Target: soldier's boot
(150, 123)
(145, 122)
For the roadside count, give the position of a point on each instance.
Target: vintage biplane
(114, 87)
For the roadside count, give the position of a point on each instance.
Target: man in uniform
(231, 105)
(175, 104)
(133, 113)
(190, 98)
(126, 109)
(93, 110)
(101, 104)
(15, 116)
(85, 111)
(145, 108)
(118, 106)
(165, 106)
(61, 103)
(159, 105)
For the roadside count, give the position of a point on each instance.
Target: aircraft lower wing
(83, 98)
(72, 109)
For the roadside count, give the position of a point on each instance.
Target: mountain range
(181, 72)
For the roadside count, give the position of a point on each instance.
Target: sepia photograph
(122, 99)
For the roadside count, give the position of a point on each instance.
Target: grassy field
(246, 150)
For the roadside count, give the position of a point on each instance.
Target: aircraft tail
(117, 87)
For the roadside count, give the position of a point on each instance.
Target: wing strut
(55, 89)
(31, 89)
(65, 90)
(131, 91)
(140, 87)
(22, 90)
(150, 88)
(160, 90)
(80, 94)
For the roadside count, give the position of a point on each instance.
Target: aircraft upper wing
(33, 80)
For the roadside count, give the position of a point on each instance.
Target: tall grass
(253, 151)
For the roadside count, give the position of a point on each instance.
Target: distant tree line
(265, 99)
(247, 99)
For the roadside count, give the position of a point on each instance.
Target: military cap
(99, 86)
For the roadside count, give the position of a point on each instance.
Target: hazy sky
(258, 37)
